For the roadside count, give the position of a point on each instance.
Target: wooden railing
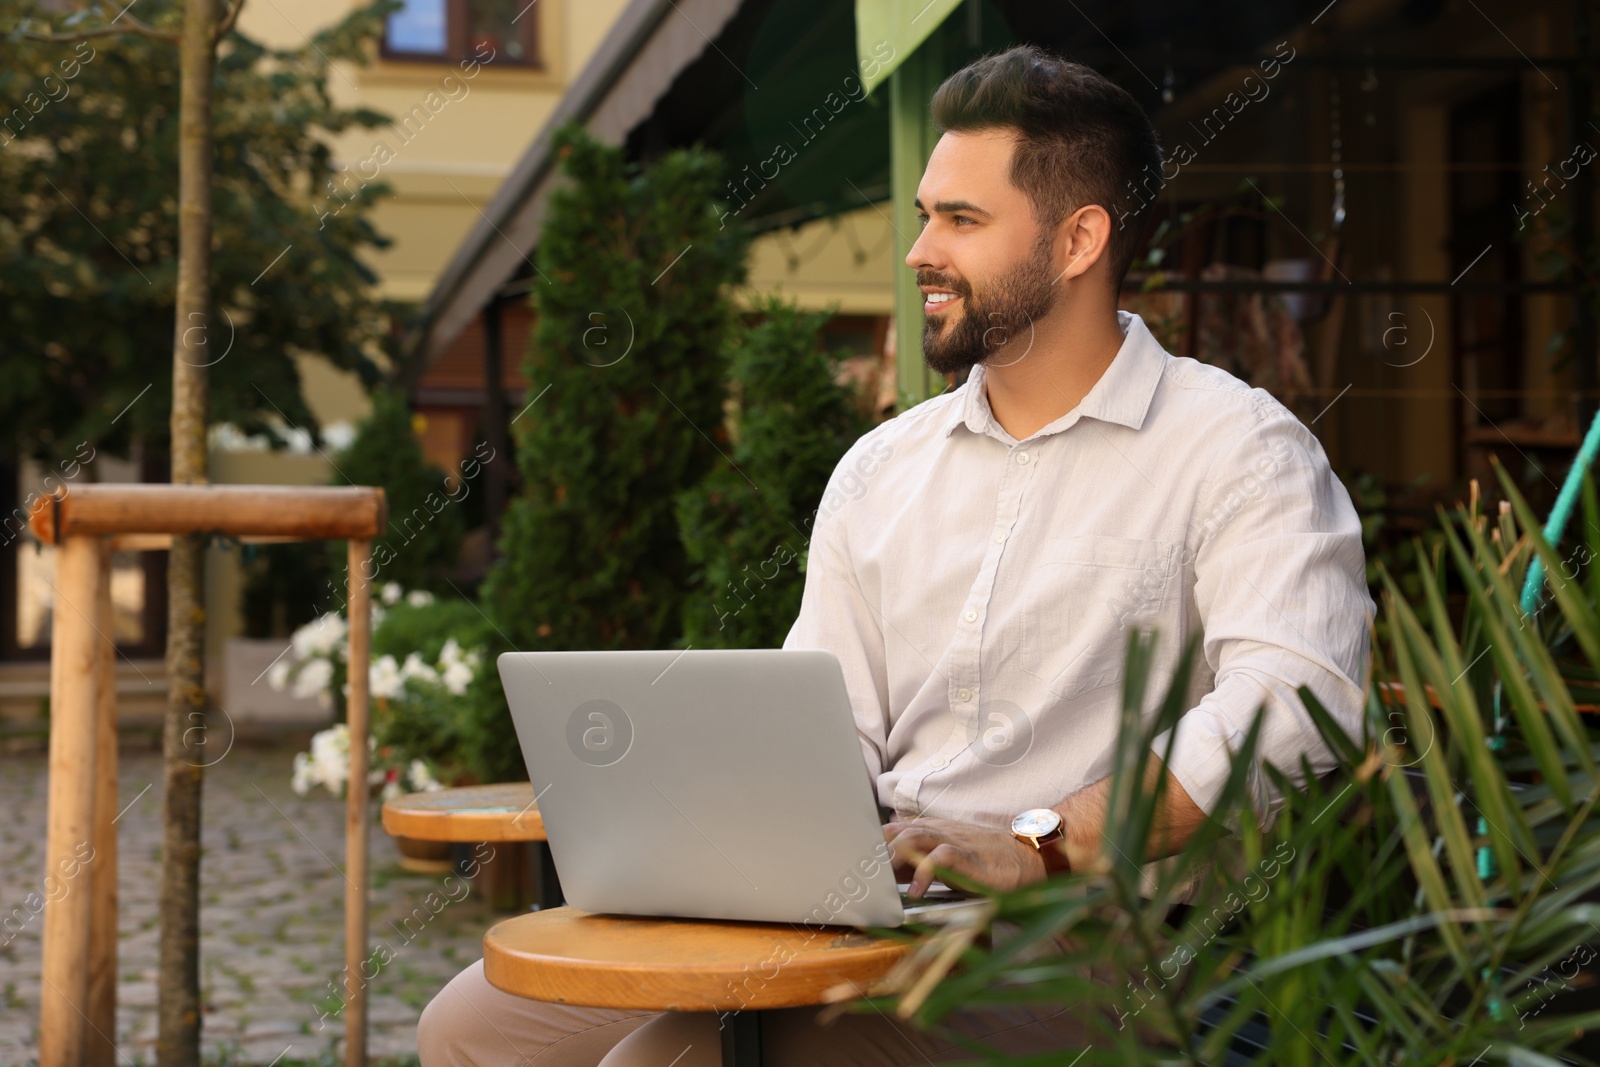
(77, 1012)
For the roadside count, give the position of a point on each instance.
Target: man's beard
(997, 327)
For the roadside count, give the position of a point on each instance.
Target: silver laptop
(719, 784)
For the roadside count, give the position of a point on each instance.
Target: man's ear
(1081, 241)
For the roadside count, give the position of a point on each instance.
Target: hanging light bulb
(1337, 155)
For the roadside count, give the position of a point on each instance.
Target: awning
(887, 31)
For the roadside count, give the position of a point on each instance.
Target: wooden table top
(614, 961)
(502, 812)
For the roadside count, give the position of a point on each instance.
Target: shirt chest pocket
(1082, 598)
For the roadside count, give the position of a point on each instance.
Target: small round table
(468, 814)
(736, 969)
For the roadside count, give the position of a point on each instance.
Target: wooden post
(100, 1044)
(64, 969)
(911, 141)
(356, 820)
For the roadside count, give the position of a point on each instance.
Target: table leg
(549, 884)
(741, 1039)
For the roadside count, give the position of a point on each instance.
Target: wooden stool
(612, 961)
(473, 813)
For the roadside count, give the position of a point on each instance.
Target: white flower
(278, 674)
(339, 435)
(330, 636)
(415, 668)
(384, 680)
(450, 654)
(303, 637)
(391, 592)
(391, 790)
(377, 612)
(296, 438)
(328, 762)
(419, 598)
(322, 636)
(313, 678)
(303, 780)
(330, 758)
(422, 779)
(457, 677)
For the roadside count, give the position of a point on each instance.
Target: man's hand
(991, 857)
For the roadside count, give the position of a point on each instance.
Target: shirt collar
(1122, 395)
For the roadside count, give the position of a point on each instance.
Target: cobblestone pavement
(272, 916)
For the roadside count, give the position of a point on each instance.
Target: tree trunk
(178, 1037)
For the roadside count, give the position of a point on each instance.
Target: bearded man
(977, 587)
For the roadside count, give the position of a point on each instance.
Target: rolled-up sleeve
(836, 616)
(1280, 587)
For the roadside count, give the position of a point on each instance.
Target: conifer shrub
(625, 411)
(426, 524)
(746, 526)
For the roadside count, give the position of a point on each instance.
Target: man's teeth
(939, 298)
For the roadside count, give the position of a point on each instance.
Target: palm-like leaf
(1417, 907)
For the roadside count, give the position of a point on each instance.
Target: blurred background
(1381, 211)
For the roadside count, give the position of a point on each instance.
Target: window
(27, 568)
(447, 30)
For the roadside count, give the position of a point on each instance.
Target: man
(978, 560)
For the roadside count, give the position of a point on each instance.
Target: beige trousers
(472, 1024)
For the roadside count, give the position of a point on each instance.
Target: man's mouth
(935, 301)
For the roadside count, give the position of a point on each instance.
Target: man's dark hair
(1083, 138)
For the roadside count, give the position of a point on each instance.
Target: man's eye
(962, 218)
(922, 220)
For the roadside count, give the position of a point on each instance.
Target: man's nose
(921, 254)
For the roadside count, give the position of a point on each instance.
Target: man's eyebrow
(949, 207)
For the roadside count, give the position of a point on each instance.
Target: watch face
(1036, 822)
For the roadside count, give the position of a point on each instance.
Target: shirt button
(937, 762)
(1022, 457)
(971, 616)
(1000, 538)
(963, 695)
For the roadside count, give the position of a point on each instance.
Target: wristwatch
(1040, 827)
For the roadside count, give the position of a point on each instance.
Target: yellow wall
(846, 262)
(444, 170)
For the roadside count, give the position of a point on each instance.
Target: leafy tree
(89, 235)
(628, 376)
(747, 524)
(88, 335)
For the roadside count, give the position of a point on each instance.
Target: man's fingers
(944, 855)
(911, 843)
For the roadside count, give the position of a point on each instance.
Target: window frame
(459, 44)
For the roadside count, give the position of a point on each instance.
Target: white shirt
(978, 589)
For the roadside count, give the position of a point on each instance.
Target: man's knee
(470, 1023)
(681, 1039)
(444, 1031)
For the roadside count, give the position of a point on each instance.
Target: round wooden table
(504, 812)
(614, 961)
(468, 814)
